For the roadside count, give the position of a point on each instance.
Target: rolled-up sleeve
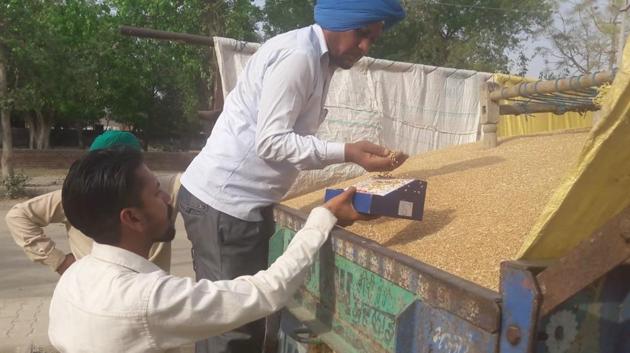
(181, 310)
(26, 221)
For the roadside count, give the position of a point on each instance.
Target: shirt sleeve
(287, 85)
(25, 222)
(181, 310)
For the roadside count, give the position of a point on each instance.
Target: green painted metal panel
(360, 297)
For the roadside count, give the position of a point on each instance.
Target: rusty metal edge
(607, 248)
(485, 300)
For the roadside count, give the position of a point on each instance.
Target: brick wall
(63, 158)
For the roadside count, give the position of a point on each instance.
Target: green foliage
(286, 15)
(466, 34)
(67, 60)
(15, 185)
(584, 38)
(463, 34)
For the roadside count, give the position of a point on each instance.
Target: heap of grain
(480, 203)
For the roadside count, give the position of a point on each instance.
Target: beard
(344, 63)
(169, 234)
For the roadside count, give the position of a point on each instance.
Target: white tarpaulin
(408, 107)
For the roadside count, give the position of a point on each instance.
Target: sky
(536, 64)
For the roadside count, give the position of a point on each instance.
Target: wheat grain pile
(480, 203)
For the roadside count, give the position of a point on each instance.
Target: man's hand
(341, 207)
(373, 158)
(69, 260)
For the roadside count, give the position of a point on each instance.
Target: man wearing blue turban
(342, 16)
(264, 136)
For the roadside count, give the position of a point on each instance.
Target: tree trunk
(48, 121)
(29, 121)
(39, 119)
(80, 139)
(145, 143)
(5, 121)
(42, 131)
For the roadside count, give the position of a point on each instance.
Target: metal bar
(591, 259)
(164, 35)
(272, 325)
(560, 85)
(519, 308)
(210, 115)
(529, 108)
(561, 98)
(550, 98)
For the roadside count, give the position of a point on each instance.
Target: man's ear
(131, 219)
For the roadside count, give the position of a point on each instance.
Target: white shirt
(116, 301)
(265, 133)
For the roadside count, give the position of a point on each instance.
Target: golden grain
(480, 203)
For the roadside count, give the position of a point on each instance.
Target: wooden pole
(164, 35)
(489, 115)
(210, 115)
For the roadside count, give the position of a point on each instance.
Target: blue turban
(346, 15)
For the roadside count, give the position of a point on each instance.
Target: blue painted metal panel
(424, 329)
(519, 308)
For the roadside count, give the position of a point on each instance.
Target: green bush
(15, 185)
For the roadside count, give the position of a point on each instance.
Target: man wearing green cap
(26, 220)
(113, 138)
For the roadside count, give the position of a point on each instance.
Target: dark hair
(97, 187)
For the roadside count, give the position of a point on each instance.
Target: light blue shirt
(265, 133)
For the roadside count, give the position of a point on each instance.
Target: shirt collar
(122, 257)
(319, 33)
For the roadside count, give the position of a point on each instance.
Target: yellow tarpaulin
(597, 188)
(525, 124)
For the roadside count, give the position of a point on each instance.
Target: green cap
(113, 138)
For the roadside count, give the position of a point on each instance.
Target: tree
(286, 15)
(51, 52)
(584, 39)
(16, 23)
(467, 34)
(5, 119)
(158, 86)
(65, 62)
